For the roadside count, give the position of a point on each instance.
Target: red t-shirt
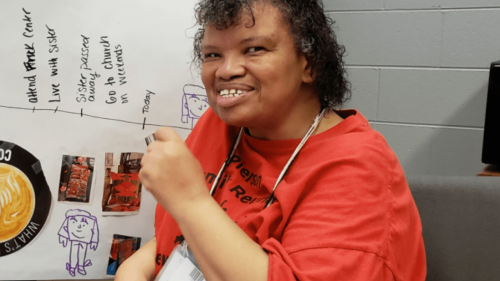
(343, 212)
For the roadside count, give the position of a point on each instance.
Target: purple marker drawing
(81, 230)
(194, 103)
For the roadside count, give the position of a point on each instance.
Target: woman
(341, 209)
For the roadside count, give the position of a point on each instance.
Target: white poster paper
(80, 81)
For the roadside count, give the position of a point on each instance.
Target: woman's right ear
(308, 76)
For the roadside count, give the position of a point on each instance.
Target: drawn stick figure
(81, 229)
(194, 103)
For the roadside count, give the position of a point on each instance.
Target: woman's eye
(212, 55)
(255, 49)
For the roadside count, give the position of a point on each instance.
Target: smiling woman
(331, 202)
(277, 99)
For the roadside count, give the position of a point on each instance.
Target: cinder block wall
(419, 71)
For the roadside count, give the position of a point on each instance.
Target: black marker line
(56, 109)
(33, 109)
(144, 123)
(81, 112)
(95, 117)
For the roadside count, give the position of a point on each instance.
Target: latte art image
(25, 199)
(17, 201)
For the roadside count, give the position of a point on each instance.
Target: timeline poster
(79, 81)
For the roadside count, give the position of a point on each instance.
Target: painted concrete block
(422, 4)
(343, 5)
(471, 38)
(456, 152)
(440, 4)
(364, 84)
(468, 3)
(433, 96)
(364, 5)
(390, 38)
(411, 144)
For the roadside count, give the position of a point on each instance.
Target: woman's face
(252, 73)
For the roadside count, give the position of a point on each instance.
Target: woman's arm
(221, 248)
(176, 180)
(139, 266)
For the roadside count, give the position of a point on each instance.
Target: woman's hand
(175, 178)
(172, 174)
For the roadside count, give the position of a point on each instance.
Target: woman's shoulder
(353, 136)
(209, 127)
(211, 138)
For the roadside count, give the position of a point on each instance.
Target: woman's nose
(232, 67)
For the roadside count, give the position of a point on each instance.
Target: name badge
(180, 266)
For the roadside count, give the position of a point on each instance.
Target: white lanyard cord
(228, 159)
(309, 133)
(297, 150)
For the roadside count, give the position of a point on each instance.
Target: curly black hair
(312, 33)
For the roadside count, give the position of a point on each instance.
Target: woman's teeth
(230, 93)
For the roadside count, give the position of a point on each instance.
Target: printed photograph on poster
(121, 249)
(122, 188)
(76, 178)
